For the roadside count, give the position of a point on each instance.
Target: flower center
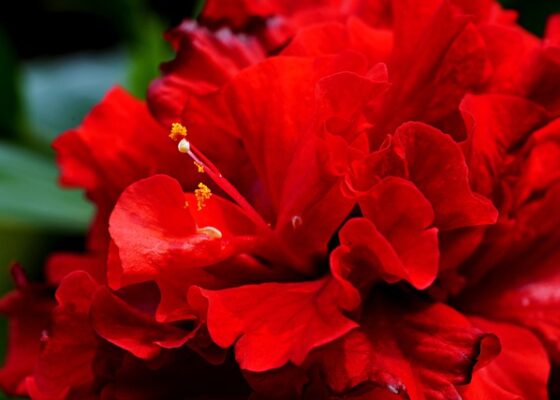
(204, 165)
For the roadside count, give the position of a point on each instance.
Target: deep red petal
(524, 293)
(204, 63)
(60, 265)
(28, 310)
(438, 169)
(431, 71)
(65, 363)
(137, 332)
(420, 351)
(497, 124)
(520, 371)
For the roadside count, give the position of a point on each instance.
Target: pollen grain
(202, 194)
(178, 131)
(199, 167)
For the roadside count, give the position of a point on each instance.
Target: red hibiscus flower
(320, 200)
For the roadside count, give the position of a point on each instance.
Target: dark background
(57, 59)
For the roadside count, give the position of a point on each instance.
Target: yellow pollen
(178, 131)
(199, 167)
(202, 194)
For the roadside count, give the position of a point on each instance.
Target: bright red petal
(154, 231)
(395, 242)
(274, 88)
(274, 323)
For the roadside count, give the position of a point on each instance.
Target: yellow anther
(178, 131)
(199, 167)
(202, 194)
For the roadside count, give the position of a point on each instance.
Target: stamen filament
(216, 176)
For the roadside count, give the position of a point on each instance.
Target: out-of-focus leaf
(34, 211)
(30, 196)
(148, 51)
(59, 93)
(198, 8)
(10, 100)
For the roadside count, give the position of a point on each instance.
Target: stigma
(184, 146)
(202, 194)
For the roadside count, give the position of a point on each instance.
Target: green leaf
(148, 51)
(199, 6)
(30, 196)
(59, 93)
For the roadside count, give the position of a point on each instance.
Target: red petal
(511, 50)
(156, 238)
(544, 72)
(437, 167)
(520, 371)
(118, 143)
(238, 12)
(61, 265)
(529, 195)
(498, 123)
(400, 240)
(155, 232)
(526, 293)
(205, 61)
(420, 352)
(65, 364)
(28, 310)
(333, 38)
(435, 164)
(431, 72)
(320, 162)
(132, 330)
(274, 88)
(274, 323)
(552, 33)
